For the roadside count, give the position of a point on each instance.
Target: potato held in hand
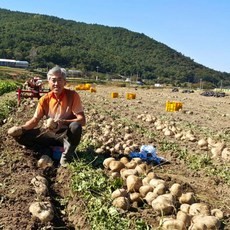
(15, 131)
(51, 124)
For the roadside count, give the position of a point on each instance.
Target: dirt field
(204, 116)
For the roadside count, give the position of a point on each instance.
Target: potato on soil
(163, 204)
(217, 213)
(154, 182)
(37, 179)
(199, 209)
(185, 208)
(107, 161)
(135, 197)
(131, 165)
(127, 172)
(184, 217)
(40, 185)
(144, 189)
(176, 190)
(45, 162)
(187, 198)
(116, 166)
(41, 189)
(119, 192)
(133, 183)
(209, 222)
(150, 196)
(15, 131)
(121, 202)
(42, 210)
(172, 224)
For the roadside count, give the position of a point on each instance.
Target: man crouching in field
(65, 117)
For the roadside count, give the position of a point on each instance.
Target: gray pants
(41, 140)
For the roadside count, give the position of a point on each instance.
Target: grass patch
(91, 183)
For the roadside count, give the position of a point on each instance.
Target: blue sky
(199, 29)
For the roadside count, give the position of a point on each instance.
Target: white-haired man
(65, 107)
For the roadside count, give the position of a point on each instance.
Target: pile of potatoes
(143, 186)
(169, 128)
(43, 210)
(116, 138)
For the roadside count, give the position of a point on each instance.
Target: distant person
(65, 108)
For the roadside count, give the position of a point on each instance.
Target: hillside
(45, 40)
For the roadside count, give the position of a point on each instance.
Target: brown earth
(205, 116)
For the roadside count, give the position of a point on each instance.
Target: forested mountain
(46, 40)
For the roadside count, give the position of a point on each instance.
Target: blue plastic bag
(147, 153)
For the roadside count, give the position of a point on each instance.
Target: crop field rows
(83, 194)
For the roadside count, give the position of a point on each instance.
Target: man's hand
(15, 131)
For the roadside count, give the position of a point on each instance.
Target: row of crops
(8, 102)
(7, 86)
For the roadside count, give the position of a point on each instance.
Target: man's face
(57, 83)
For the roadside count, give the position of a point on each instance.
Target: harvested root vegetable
(15, 131)
(160, 189)
(39, 179)
(131, 165)
(187, 198)
(151, 175)
(226, 154)
(135, 197)
(50, 124)
(115, 175)
(107, 161)
(170, 223)
(163, 204)
(42, 210)
(145, 181)
(40, 185)
(133, 183)
(45, 162)
(119, 192)
(124, 160)
(217, 213)
(99, 150)
(176, 190)
(145, 189)
(150, 196)
(137, 160)
(202, 143)
(185, 208)
(178, 135)
(142, 169)
(41, 189)
(199, 209)
(184, 217)
(127, 172)
(116, 166)
(216, 151)
(154, 182)
(208, 222)
(122, 203)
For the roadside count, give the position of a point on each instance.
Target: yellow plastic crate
(172, 106)
(114, 95)
(130, 96)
